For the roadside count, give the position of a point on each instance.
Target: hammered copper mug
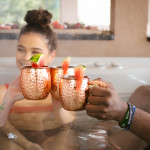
(56, 74)
(35, 82)
(72, 99)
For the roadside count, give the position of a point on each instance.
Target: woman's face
(30, 44)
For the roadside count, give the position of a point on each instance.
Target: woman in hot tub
(31, 122)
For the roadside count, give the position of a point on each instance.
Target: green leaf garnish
(35, 58)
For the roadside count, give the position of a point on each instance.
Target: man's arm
(105, 104)
(141, 124)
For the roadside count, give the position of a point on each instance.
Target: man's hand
(104, 102)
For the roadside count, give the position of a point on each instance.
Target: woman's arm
(5, 107)
(12, 94)
(105, 104)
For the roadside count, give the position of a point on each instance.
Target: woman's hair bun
(38, 17)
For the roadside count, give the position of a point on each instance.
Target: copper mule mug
(35, 82)
(72, 99)
(56, 74)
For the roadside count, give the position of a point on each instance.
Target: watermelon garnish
(37, 60)
(65, 65)
(79, 75)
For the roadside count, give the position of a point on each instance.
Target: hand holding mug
(104, 102)
(14, 90)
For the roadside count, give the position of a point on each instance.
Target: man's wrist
(123, 111)
(127, 120)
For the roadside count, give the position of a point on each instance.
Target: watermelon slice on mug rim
(79, 75)
(65, 65)
(37, 60)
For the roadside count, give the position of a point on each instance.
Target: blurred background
(85, 28)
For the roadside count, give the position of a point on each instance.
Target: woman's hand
(104, 102)
(14, 90)
(56, 103)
